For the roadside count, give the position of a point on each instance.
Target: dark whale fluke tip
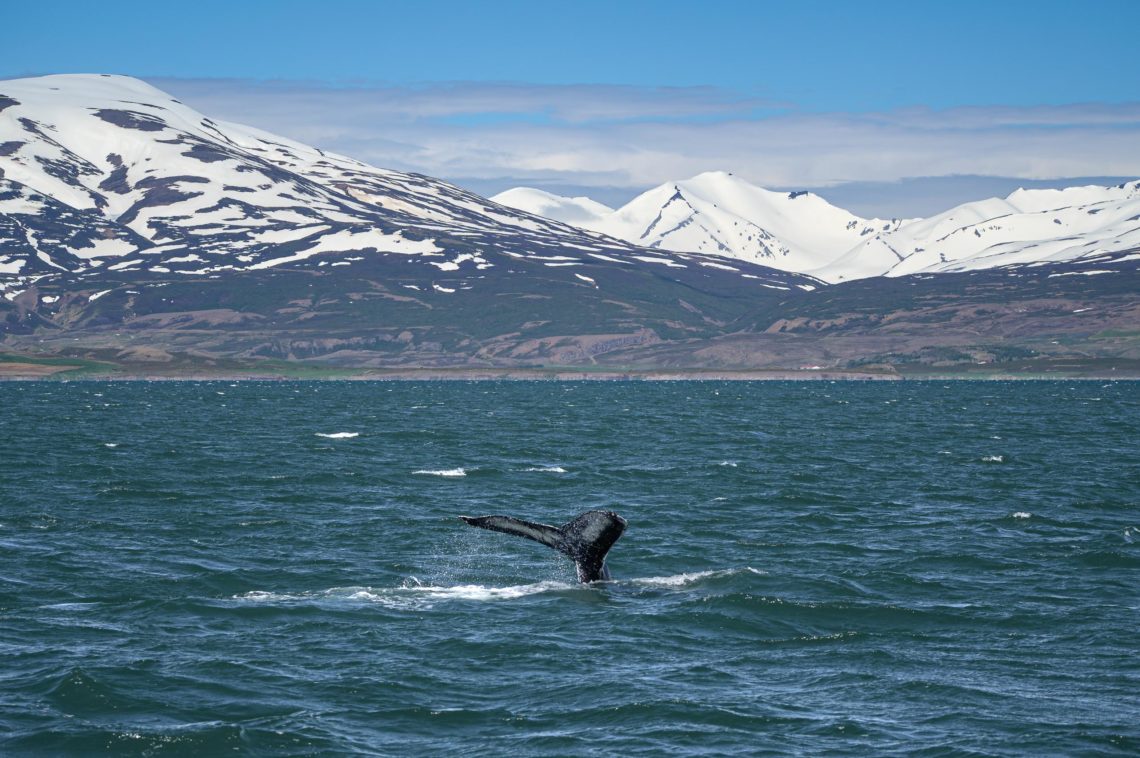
(585, 539)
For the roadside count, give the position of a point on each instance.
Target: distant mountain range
(801, 232)
(142, 237)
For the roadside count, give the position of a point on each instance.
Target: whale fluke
(585, 539)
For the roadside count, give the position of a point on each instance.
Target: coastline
(61, 370)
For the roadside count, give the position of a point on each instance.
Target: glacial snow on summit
(718, 213)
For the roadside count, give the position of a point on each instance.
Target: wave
(339, 435)
(442, 472)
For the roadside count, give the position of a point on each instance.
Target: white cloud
(627, 137)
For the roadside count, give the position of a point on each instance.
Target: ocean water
(918, 568)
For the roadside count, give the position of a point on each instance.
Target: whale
(585, 539)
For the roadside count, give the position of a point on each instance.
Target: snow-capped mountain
(721, 214)
(106, 173)
(1027, 227)
(578, 211)
(129, 177)
(131, 219)
(801, 232)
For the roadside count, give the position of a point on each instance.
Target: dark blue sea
(903, 568)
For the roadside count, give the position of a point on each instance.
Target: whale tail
(585, 539)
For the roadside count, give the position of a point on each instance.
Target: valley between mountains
(141, 238)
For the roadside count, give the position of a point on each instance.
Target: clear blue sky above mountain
(609, 98)
(817, 55)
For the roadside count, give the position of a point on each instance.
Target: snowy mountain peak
(719, 213)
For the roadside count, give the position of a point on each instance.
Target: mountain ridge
(716, 212)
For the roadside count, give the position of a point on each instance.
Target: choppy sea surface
(918, 568)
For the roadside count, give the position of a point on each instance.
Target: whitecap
(682, 580)
(412, 595)
(729, 464)
(482, 592)
(70, 606)
(1022, 514)
(110, 444)
(442, 472)
(546, 469)
(993, 459)
(339, 435)
(259, 596)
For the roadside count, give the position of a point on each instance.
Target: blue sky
(609, 98)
